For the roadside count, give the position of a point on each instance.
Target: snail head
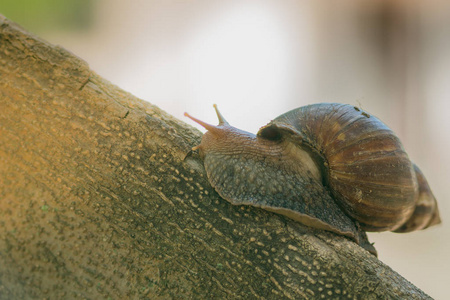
(222, 138)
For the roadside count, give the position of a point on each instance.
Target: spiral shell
(367, 169)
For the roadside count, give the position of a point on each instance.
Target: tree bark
(100, 197)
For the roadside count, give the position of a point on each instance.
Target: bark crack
(88, 79)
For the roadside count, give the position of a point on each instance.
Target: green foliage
(49, 15)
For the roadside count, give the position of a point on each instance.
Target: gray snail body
(329, 166)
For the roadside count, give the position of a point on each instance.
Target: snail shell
(324, 165)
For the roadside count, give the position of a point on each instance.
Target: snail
(329, 166)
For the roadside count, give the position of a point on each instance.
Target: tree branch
(100, 197)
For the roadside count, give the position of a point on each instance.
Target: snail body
(329, 166)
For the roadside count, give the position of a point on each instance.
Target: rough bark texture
(101, 198)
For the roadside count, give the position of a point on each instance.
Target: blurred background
(259, 59)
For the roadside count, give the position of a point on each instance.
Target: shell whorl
(426, 212)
